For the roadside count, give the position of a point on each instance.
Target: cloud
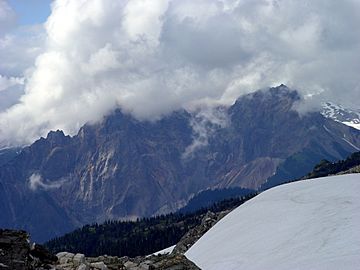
(36, 182)
(11, 88)
(19, 47)
(7, 17)
(153, 57)
(206, 121)
(6, 82)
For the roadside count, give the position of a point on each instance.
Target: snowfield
(164, 251)
(311, 224)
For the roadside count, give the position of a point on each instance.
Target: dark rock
(40, 252)
(14, 250)
(16, 254)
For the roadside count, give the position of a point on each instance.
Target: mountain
(338, 113)
(7, 154)
(123, 168)
(144, 236)
(310, 224)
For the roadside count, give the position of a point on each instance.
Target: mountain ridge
(123, 168)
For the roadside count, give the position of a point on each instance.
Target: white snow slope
(311, 224)
(164, 251)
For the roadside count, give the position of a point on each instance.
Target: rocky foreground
(17, 253)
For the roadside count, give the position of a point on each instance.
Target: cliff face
(125, 168)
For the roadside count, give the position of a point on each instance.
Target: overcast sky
(74, 63)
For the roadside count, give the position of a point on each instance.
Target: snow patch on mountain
(165, 251)
(349, 117)
(311, 224)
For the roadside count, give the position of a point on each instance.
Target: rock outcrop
(14, 250)
(209, 220)
(16, 253)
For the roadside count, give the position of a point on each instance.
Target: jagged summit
(278, 92)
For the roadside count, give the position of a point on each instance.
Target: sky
(67, 63)
(31, 11)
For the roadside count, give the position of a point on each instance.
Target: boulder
(83, 267)
(79, 259)
(65, 257)
(99, 265)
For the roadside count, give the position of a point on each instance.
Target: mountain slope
(311, 224)
(123, 168)
(340, 114)
(137, 238)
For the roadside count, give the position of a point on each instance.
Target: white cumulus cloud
(153, 57)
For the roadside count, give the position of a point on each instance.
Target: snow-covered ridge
(349, 117)
(311, 224)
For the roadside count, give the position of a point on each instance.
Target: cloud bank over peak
(153, 57)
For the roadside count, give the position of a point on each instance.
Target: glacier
(309, 224)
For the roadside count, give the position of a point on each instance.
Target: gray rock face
(122, 168)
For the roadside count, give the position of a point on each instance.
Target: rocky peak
(57, 137)
(265, 107)
(272, 94)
